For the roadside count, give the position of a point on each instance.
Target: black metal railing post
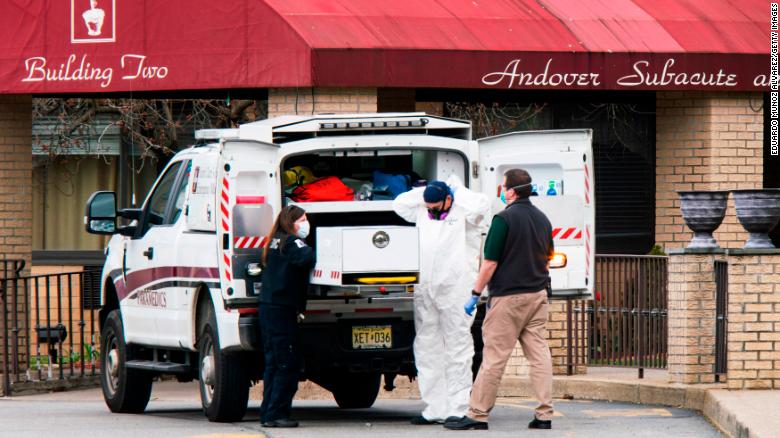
(569, 343)
(4, 338)
(721, 318)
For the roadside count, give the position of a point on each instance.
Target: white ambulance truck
(181, 280)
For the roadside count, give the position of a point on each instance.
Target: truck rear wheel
(125, 390)
(224, 382)
(356, 391)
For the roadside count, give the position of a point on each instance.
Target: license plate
(372, 337)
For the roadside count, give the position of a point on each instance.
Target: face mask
(503, 191)
(303, 229)
(437, 214)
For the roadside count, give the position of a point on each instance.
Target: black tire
(357, 391)
(226, 396)
(125, 390)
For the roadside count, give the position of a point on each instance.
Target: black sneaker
(540, 424)
(452, 419)
(466, 423)
(282, 422)
(422, 421)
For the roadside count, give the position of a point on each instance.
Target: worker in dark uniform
(518, 250)
(287, 261)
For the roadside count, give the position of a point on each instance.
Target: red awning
(73, 46)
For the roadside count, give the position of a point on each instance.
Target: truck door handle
(149, 253)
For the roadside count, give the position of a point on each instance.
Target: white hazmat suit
(443, 346)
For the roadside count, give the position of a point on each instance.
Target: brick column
(705, 141)
(754, 319)
(691, 354)
(15, 185)
(307, 101)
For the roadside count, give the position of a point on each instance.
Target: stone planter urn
(758, 211)
(703, 212)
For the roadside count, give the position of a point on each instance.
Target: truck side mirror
(100, 217)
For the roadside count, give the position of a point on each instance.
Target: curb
(44, 386)
(691, 397)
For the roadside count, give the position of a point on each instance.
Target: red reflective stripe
(227, 259)
(247, 311)
(227, 275)
(250, 199)
(225, 225)
(253, 242)
(225, 183)
(579, 235)
(224, 210)
(568, 233)
(238, 242)
(225, 196)
(555, 232)
(374, 310)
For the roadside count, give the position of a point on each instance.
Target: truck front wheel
(125, 390)
(224, 382)
(356, 391)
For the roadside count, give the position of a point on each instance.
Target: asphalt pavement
(175, 412)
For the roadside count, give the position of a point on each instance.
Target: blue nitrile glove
(471, 305)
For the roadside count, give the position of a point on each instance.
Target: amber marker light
(558, 260)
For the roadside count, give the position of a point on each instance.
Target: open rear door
(247, 199)
(560, 163)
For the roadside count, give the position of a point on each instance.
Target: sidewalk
(738, 414)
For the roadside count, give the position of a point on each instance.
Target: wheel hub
(113, 363)
(207, 370)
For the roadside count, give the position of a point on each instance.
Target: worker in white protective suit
(451, 220)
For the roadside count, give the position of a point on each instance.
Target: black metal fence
(47, 333)
(626, 323)
(721, 317)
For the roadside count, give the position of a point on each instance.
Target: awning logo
(92, 21)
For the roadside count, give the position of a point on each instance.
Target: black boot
(540, 424)
(466, 423)
(282, 422)
(422, 421)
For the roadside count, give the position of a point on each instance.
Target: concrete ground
(750, 414)
(175, 412)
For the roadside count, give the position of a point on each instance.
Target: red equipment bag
(325, 189)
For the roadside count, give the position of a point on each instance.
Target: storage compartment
(359, 176)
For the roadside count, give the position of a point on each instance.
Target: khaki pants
(509, 319)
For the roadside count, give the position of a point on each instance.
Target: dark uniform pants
(281, 346)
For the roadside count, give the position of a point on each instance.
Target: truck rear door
(560, 163)
(247, 199)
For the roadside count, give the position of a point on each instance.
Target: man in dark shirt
(517, 253)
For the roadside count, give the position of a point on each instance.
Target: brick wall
(691, 316)
(754, 321)
(284, 101)
(16, 177)
(705, 141)
(15, 184)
